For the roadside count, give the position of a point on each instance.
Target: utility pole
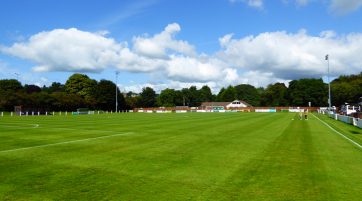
(117, 91)
(329, 85)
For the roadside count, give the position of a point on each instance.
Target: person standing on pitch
(306, 115)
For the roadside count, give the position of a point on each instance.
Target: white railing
(57, 113)
(347, 119)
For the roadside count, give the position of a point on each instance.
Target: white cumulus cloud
(67, 50)
(342, 7)
(293, 55)
(256, 59)
(252, 3)
(190, 69)
(73, 50)
(339, 7)
(160, 45)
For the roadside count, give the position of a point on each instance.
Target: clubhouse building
(224, 105)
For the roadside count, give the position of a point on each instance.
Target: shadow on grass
(355, 132)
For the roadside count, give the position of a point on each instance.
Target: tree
(37, 101)
(9, 94)
(185, 97)
(147, 98)
(9, 99)
(131, 100)
(308, 90)
(227, 95)
(31, 88)
(189, 96)
(167, 98)
(68, 102)
(247, 93)
(342, 93)
(54, 87)
(275, 95)
(170, 98)
(218, 96)
(179, 98)
(10, 85)
(194, 97)
(106, 96)
(346, 89)
(81, 91)
(82, 85)
(205, 94)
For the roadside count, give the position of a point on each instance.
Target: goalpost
(84, 111)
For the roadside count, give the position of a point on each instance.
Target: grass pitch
(193, 156)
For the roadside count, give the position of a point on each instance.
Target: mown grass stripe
(339, 133)
(231, 156)
(66, 142)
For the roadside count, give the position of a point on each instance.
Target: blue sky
(176, 43)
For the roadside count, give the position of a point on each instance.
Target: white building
(224, 105)
(237, 104)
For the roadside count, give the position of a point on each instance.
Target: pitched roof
(224, 104)
(245, 103)
(206, 104)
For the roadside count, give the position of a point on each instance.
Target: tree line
(80, 91)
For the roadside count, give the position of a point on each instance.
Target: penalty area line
(19, 126)
(66, 142)
(339, 133)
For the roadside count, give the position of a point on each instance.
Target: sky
(179, 43)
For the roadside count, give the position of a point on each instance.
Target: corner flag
(327, 57)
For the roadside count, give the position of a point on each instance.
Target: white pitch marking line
(19, 126)
(347, 138)
(66, 142)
